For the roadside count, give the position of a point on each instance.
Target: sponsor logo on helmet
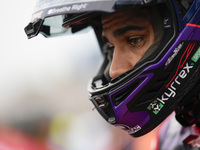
(176, 81)
(196, 56)
(156, 106)
(128, 129)
(75, 7)
(183, 59)
(175, 52)
(159, 103)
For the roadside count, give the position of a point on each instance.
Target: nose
(121, 62)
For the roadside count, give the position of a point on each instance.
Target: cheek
(132, 56)
(136, 53)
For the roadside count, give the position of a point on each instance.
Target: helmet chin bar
(141, 99)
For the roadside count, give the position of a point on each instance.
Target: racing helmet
(165, 77)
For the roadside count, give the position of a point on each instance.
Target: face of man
(130, 34)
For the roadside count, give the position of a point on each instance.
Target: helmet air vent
(150, 94)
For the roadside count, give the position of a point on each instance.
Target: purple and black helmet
(165, 78)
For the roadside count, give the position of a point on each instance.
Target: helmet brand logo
(158, 104)
(155, 106)
(178, 78)
(183, 59)
(172, 89)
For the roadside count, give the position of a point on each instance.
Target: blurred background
(43, 90)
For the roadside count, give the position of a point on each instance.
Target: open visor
(54, 17)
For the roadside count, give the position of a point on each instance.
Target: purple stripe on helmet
(122, 114)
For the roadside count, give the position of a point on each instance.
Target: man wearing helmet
(151, 65)
(129, 40)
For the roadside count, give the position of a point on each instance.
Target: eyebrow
(123, 30)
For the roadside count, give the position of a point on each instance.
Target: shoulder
(172, 134)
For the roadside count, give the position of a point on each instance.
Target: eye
(135, 41)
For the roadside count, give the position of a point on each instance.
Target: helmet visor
(49, 15)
